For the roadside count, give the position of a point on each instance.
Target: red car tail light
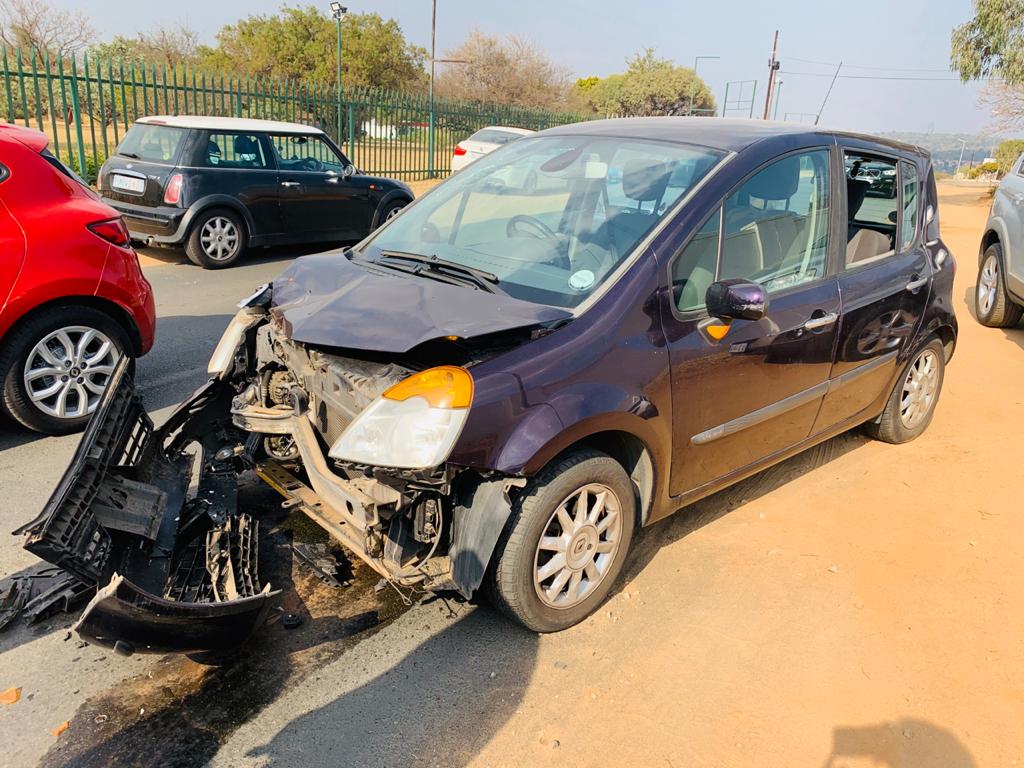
(112, 230)
(172, 192)
(459, 150)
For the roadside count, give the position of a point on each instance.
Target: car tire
(911, 405)
(41, 343)
(526, 563)
(217, 239)
(992, 304)
(390, 210)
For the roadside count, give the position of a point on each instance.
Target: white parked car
(484, 141)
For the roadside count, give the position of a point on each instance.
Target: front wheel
(57, 364)
(565, 544)
(217, 239)
(910, 407)
(992, 304)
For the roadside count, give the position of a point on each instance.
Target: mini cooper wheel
(910, 407)
(57, 365)
(390, 211)
(566, 542)
(992, 304)
(217, 239)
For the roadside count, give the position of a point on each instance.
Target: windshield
(155, 143)
(550, 217)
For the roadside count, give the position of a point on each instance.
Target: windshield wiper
(132, 155)
(416, 264)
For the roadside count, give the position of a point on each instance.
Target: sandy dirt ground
(857, 605)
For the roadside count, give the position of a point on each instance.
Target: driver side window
(772, 230)
(306, 153)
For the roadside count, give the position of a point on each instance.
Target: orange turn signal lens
(446, 386)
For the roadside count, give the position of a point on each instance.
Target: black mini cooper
(218, 185)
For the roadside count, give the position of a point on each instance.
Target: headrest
(244, 145)
(213, 148)
(644, 180)
(779, 181)
(856, 189)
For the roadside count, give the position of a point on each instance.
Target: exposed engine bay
(149, 516)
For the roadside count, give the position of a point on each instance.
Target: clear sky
(901, 38)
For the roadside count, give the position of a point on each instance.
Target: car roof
(507, 129)
(227, 124)
(727, 134)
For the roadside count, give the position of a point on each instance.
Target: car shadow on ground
(1014, 334)
(906, 743)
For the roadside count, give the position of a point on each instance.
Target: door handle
(332, 179)
(290, 183)
(821, 322)
(917, 283)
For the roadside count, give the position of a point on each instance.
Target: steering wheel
(310, 164)
(540, 230)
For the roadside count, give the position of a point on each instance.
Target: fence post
(76, 110)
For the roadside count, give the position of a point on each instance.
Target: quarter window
(693, 271)
(908, 178)
(234, 150)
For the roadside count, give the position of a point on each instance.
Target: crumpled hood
(326, 300)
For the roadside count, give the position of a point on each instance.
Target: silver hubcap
(919, 389)
(988, 284)
(67, 371)
(219, 238)
(578, 546)
(392, 213)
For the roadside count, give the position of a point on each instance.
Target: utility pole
(339, 11)
(828, 93)
(773, 67)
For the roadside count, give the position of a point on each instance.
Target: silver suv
(999, 298)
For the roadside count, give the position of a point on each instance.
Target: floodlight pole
(693, 82)
(339, 11)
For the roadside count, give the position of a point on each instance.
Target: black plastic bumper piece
(175, 570)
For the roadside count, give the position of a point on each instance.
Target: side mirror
(736, 300)
(348, 171)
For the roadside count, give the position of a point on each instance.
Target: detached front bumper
(176, 571)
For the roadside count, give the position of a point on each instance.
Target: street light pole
(433, 59)
(338, 11)
(963, 144)
(693, 82)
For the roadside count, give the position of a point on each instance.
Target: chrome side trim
(761, 415)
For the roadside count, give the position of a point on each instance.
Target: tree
(169, 46)
(992, 43)
(513, 71)
(300, 43)
(32, 24)
(649, 86)
(1007, 152)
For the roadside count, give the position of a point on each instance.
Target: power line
(865, 66)
(876, 77)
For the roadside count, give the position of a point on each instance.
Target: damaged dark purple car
(574, 337)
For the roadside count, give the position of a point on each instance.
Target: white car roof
(507, 129)
(226, 124)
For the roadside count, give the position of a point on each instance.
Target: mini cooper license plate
(131, 184)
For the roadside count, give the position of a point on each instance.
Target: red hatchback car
(73, 300)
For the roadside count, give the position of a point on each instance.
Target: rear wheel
(217, 239)
(390, 211)
(910, 407)
(992, 304)
(57, 365)
(565, 544)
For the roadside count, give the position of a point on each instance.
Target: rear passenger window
(776, 224)
(234, 150)
(872, 200)
(908, 178)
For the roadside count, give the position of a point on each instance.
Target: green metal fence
(86, 105)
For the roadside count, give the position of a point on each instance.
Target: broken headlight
(223, 357)
(413, 425)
